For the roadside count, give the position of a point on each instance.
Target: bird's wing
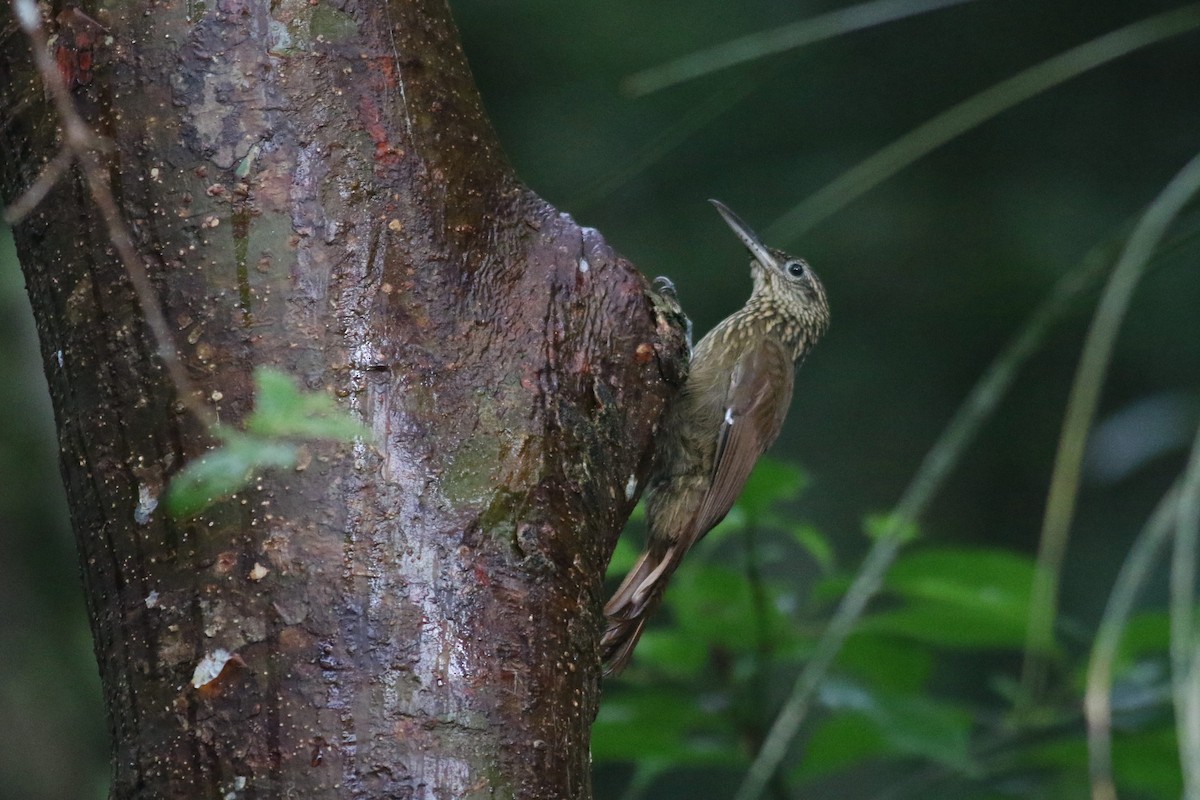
(756, 401)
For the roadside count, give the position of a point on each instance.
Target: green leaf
(770, 482)
(840, 742)
(672, 653)
(225, 470)
(282, 410)
(1144, 761)
(995, 579)
(661, 724)
(959, 598)
(815, 544)
(829, 589)
(884, 662)
(734, 522)
(947, 626)
(867, 725)
(1067, 752)
(1148, 762)
(910, 724)
(714, 605)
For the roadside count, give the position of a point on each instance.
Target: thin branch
(972, 112)
(727, 54)
(720, 101)
(654, 149)
(1097, 701)
(83, 144)
(778, 40)
(1081, 409)
(946, 452)
(29, 199)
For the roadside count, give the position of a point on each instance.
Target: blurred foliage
(53, 743)
(702, 689)
(929, 273)
(283, 418)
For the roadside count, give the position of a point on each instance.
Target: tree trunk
(314, 186)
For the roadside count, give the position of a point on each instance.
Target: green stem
(945, 453)
(1081, 410)
(1097, 702)
(1185, 644)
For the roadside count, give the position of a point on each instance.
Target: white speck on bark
(147, 502)
(210, 667)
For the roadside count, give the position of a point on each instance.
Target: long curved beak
(748, 236)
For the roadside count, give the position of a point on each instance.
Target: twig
(80, 142)
(29, 199)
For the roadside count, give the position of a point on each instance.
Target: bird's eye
(795, 268)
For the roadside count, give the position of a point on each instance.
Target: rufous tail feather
(632, 604)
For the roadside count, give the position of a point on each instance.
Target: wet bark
(315, 187)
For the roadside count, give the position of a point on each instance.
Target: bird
(728, 412)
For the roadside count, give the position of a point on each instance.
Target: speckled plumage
(729, 412)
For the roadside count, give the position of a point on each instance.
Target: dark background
(928, 276)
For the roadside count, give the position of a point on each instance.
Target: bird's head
(782, 281)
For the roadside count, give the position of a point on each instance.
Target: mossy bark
(315, 187)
